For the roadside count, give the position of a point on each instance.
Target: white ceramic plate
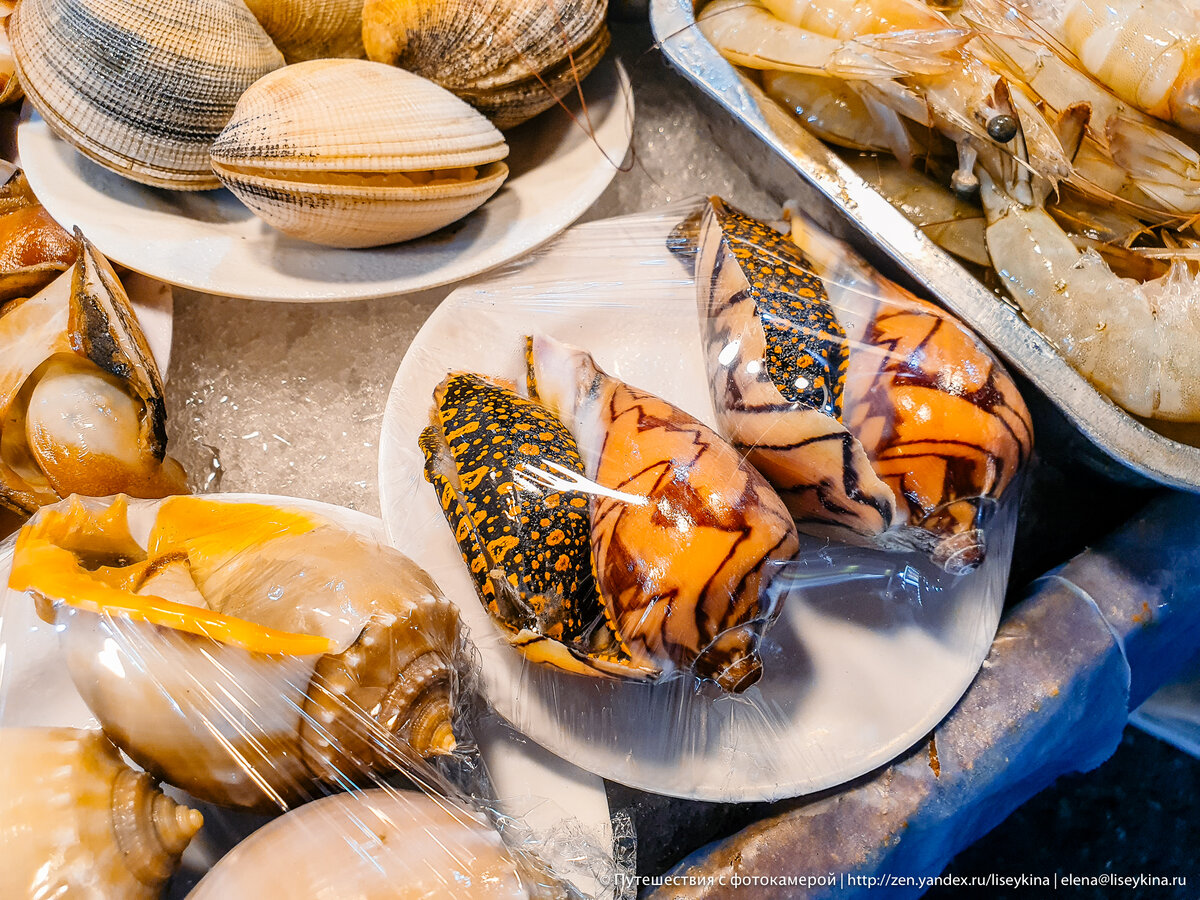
(853, 676)
(35, 691)
(209, 242)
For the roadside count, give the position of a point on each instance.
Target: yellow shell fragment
(350, 153)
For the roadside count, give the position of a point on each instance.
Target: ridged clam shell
(140, 86)
(510, 59)
(312, 29)
(337, 152)
(75, 821)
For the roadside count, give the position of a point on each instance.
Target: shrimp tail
(905, 52)
(1149, 154)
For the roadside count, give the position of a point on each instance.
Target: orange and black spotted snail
(503, 467)
(916, 430)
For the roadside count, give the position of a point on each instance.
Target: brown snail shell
(362, 676)
(75, 821)
(510, 59)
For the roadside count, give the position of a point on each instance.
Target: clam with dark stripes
(880, 418)
(141, 87)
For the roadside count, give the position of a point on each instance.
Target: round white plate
(207, 241)
(35, 691)
(854, 674)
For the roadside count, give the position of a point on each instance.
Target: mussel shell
(352, 153)
(140, 86)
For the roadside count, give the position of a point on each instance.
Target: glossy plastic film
(262, 694)
(729, 514)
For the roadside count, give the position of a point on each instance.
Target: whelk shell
(510, 59)
(352, 153)
(140, 86)
(246, 653)
(81, 399)
(312, 29)
(75, 821)
(376, 844)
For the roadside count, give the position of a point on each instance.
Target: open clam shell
(140, 86)
(510, 59)
(352, 153)
(243, 652)
(34, 248)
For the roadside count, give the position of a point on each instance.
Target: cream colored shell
(76, 822)
(140, 86)
(379, 844)
(312, 29)
(510, 59)
(352, 153)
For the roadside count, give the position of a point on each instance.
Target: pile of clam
(272, 99)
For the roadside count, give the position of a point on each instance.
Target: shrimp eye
(1002, 128)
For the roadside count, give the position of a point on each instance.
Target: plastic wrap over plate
(878, 224)
(871, 648)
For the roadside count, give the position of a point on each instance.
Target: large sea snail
(680, 534)
(377, 844)
(244, 652)
(879, 418)
(75, 821)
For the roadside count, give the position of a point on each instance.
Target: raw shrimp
(1137, 343)
(746, 33)
(835, 111)
(1146, 51)
(852, 18)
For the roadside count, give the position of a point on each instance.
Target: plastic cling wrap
(260, 692)
(736, 536)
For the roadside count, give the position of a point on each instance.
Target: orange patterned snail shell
(685, 534)
(880, 418)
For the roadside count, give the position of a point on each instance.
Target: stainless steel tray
(877, 225)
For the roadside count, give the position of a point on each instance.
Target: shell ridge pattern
(807, 353)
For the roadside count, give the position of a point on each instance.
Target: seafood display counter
(693, 540)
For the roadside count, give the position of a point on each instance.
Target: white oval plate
(35, 691)
(852, 679)
(207, 241)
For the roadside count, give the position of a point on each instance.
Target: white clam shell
(337, 152)
(140, 86)
(369, 845)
